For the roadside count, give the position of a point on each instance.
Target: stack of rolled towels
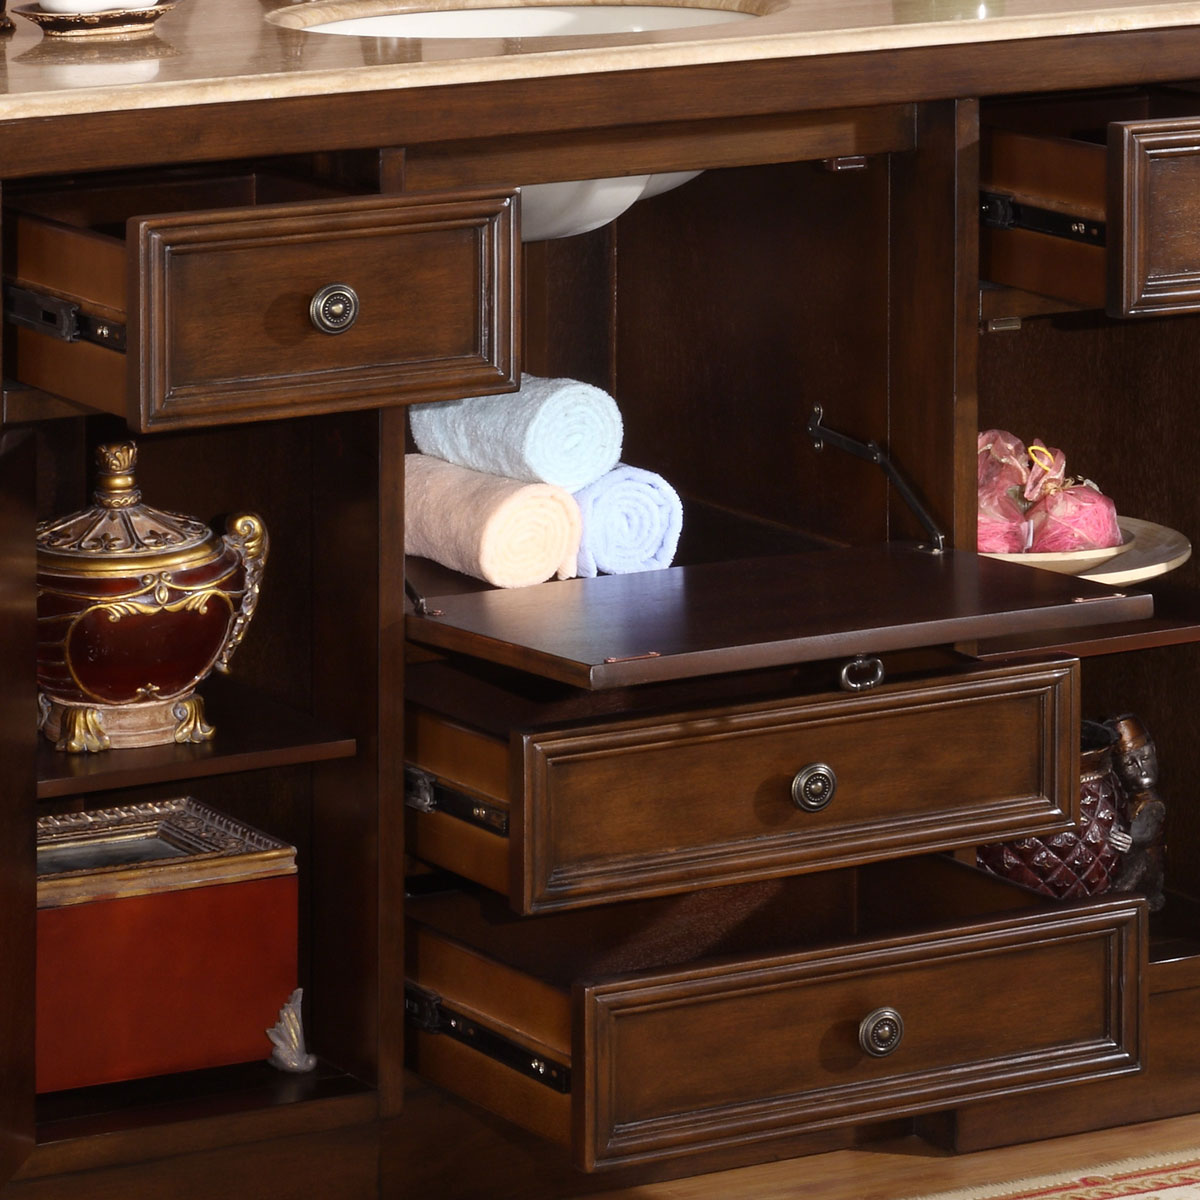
(519, 488)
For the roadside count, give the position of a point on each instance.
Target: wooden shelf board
(999, 303)
(20, 403)
(252, 732)
(122, 1122)
(1175, 945)
(1176, 622)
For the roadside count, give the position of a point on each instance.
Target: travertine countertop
(216, 50)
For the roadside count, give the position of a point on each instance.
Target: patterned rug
(1163, 1177)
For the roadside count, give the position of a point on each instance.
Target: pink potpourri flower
(1003, 460)
(1003, 469)
(1027, 503)
(1003, 527)
(1078, 517)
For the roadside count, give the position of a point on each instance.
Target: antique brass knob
(813, 787)
(879, 1032)
(334, 308)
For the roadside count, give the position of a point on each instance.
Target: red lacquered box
(166, 942)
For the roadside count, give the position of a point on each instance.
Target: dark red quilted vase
(1077, 862)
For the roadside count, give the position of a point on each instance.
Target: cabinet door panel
(17, 738)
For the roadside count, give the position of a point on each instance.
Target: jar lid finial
(115, 487)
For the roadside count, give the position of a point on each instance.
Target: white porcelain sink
(548, 210)
(531, 21)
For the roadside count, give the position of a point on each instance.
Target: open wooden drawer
(734, 1016)
(559, 798)
(635, 735)
(1095, 200)
(247, 296)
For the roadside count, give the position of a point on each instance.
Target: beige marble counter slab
(205, 51)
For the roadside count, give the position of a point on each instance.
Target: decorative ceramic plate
(114, 22)
(1155, 551)
(1147, 550)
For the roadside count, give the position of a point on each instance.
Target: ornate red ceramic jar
(135, 608)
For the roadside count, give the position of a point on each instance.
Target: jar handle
(247, 536)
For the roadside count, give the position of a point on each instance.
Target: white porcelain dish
(93, 6)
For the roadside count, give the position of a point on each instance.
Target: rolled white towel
(556, 431)
(509, 533)
(631, 522)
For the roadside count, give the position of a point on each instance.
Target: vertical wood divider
(934, 286)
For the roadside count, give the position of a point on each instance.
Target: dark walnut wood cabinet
(614, 879)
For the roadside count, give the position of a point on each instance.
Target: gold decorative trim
(90, 564)
(206, 847)
(246, 534)
(126, 606)
(81, 731)
(192, 727)
(90, 728)
(158, 576)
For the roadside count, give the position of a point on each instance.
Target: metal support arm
(871, 451)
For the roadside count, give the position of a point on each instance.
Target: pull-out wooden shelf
(714, 618)
(660, 1028)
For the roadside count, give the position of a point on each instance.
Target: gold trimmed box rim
(201, 847)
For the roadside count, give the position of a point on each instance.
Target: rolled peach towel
(504, 531)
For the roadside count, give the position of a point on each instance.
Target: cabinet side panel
(933, 406)
(17, 734)
(345, 868)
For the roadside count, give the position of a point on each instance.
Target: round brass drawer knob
(334, 308)
(813, 787)
(879, 1032)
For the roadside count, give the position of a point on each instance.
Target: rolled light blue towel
(631, 522)
(558, 431)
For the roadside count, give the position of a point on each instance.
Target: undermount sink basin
(548, 210)
(531, 21)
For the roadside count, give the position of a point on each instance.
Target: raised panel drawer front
(1154, 216)
(739, 1016)
(223, 314)
(1111, 223)
(590, 810)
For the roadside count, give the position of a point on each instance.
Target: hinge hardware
(997, 210)
(427, 1011)
(59, 318)
(424, 793)
(419, 603)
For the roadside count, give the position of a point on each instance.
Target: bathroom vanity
(617, 879)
